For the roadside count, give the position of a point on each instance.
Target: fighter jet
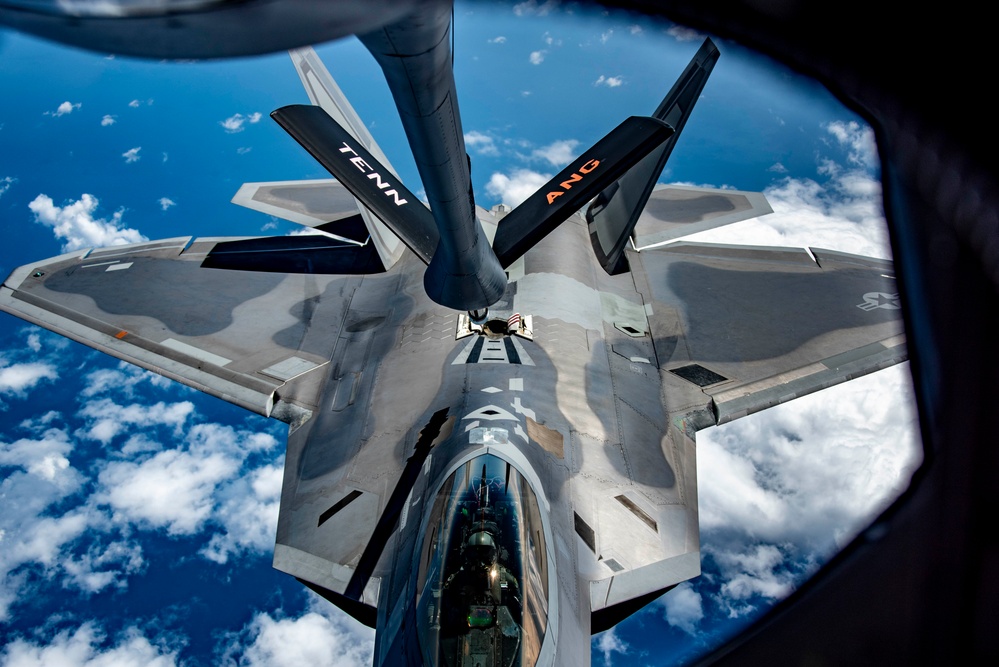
(492, 414)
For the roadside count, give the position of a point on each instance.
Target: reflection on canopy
(483, 581)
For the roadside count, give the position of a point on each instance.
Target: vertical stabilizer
(324, 92)
(613, 214)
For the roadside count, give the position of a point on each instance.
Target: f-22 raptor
(491, 414)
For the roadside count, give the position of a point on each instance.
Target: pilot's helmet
(483, 546)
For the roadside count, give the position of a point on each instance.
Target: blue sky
(138, 515)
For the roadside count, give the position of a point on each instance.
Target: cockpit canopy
(483, 579)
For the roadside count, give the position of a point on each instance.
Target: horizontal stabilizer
(587, 175)
(366, 178)
(315, 253)
(614, 213)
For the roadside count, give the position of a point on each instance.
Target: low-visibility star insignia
(874, 300)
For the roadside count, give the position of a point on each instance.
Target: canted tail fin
(614, 213)
(594, 170)
(376, 187)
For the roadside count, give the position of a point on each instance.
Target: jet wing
(155, 305)
(752, 327)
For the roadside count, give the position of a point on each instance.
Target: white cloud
(537, 57)
(134, 104)
(132, 155)
(499, 39)
(843, 214)
(858, 140)
(558, 153)
(125, 379)
(535, 8)
(66, 107)
(36, 475)
(236, 122)
(166, 202)
(609, 81)
(172, 490)
(83, 647)
(182, 489)
(108, 119)
(103, 566)
(766, 481)
(75, 224)
(635, 30)
(106, 419)
(243, 150)
(17, 379)
(781, 490)
(777, 168)
(682, 34)
(609, 643)
(514, 189)
(482, 143)
(682, 608)
(606, 36)
(318, 637)
(248, 514)
(5, 184)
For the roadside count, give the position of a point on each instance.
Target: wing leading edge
(155, 305)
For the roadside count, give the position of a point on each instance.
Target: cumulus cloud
(181, 489)
(171, 490)
(515, 188)
(535, 8)
(604, 37)
(481, 143)
(85, 646)
(166, 202)
(682, 34)
(844, 213)
(247, 513)
(132, 155)
(124, 379)
(108, 119)
(103, 565)
(609, 643)
(134, 104)
(5, 184)
(236, 122)
(17, 379)
(321, 637)
(858, 140)
(106, 419)
(537, 57)
(76, 529)
(782, 490)
(36, 475)
(558, 153)
(682, 608)
(66, 107)
(499, 39)
(76, 226)
(609, 81)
